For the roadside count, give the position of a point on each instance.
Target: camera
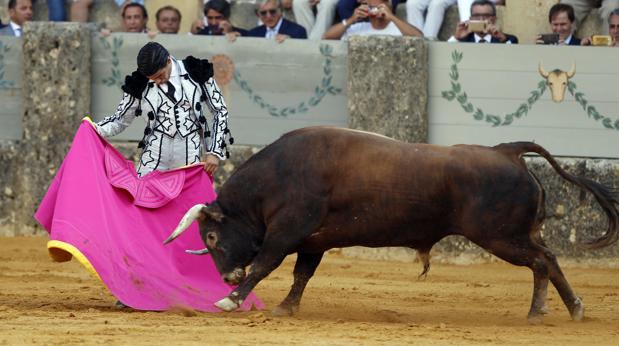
(372, 11)
(477, 25)
(550, 38)
(601, 40)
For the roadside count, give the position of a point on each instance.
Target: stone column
(388, 86)
(56, 95)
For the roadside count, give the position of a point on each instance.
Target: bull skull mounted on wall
(557, 81)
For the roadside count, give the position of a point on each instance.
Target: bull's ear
(212, 212)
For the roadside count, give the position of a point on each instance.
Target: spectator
(434, 11)
(346, 8)
(275, 25)
(464, 8)
(613, 26)
(382, 21)
(316, 25)
(613, 29)
(484, 11)
(561, 19)
(217, 14)
(79, 8)
(168, 20)
(134, 17)
(20, 11)
(583, 7)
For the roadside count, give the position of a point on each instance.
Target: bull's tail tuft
(608, 198)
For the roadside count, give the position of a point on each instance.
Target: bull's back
(373, 184)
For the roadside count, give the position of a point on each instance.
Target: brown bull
(320, 188)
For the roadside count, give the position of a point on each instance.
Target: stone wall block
(56, 95)
(388, 86)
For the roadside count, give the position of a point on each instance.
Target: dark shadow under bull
(320, 188)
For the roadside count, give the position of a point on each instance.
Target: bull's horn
(192, 214)
(572, 71)
(197, 252)
(541, 70)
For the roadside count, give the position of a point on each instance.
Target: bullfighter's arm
(128, 108)
(122, 118)
(217, 106)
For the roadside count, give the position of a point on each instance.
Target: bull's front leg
(264, 263)
(303, 270)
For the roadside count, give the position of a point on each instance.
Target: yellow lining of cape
(60, 251)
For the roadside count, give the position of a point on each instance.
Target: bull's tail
(607, 198)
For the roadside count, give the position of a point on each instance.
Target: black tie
(483, 40)
(171, 91)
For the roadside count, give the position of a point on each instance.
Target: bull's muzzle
(235, 277)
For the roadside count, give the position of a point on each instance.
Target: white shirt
(175, 79)
(366, 29)
(16, 29)
(568, 40)
(271, 33)
(487, 38)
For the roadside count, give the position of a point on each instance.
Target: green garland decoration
(591, 110)
(4, 84)
(320, 91)
(461, 97)
(115, 79)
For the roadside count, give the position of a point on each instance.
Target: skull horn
(572, 71)
(541, 70)
(192, 214)
(197, 252)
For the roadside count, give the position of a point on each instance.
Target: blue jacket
(289, 28)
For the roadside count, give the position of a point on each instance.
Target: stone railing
(63, 80)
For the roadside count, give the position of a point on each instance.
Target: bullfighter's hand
(211, 163)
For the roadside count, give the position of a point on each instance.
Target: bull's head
(557, 81)
(230, 245)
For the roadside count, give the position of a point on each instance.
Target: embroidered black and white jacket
(168, 116)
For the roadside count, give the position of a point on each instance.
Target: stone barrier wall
(57, 67)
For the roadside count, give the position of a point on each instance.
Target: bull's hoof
(578, 311)
(535, 319)
(285, 310)
(227, 304)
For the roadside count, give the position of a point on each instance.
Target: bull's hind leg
(523, 252)
(572, 302)
(303, 270)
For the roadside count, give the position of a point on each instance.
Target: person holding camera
(373, 18)
(482, 27)
(561, 18)
(612, 39)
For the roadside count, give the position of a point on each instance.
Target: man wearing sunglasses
(275, 26)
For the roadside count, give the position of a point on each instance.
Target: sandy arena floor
(348, 302)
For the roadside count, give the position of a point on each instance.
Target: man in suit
(562, 22)
(482, 11)
(20, 11)
(275, 25)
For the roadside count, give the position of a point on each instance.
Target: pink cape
(99, 211)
